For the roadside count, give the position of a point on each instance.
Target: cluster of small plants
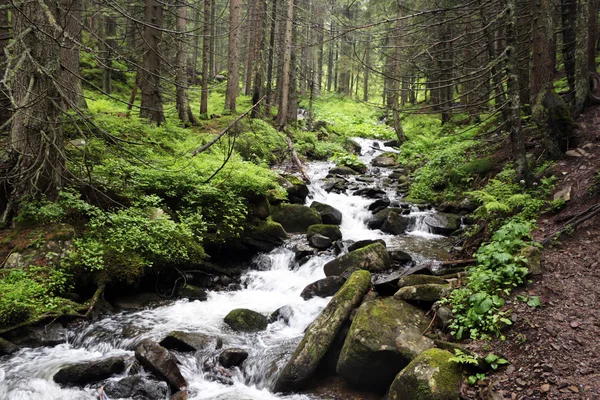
(350, 161)
(465, 359)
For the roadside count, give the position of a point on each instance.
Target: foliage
(350, 161)
(460, 357)
(42, 211)
(478, 305)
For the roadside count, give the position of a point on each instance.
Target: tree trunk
(366, 71)
(193, 73)
(271, 60)
(252, 35)
(206, 55)
(592, 34)
(5, 107)
(182, 102)
(582, 75)
(258, 67)
(330, 59)
(233, 67)
(32, 164)
(152, 104)
(286, 70)
(569, 17)
(213, 38)
(70, 19)
(110, 30)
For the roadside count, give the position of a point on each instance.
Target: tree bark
(5, 106)
(569, 17)
(286, 71)
(110, 30)
(182, 102)
(592, 34)
(233, 67)
(582, 73)
(206, 56)
(70, 14)
(271, 61)
(152, 104)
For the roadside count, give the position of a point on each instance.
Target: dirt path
(554, 349)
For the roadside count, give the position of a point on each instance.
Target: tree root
(574, 222)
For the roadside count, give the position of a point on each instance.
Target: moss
(295, 217)
(429, 292)
(269, 228)
(412, 200)
(373, 258)
(417, 279)
(480, 166)
(244, 320)
(331, 231)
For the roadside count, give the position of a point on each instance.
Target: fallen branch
(574, 222)
(295, 157)
(227, 129)
(458, 263)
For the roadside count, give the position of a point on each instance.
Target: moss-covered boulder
(295, 218)
(373, 258)
(370, 357)
(363, 243)
(264, 236)
(259, 207)
(321, 333)
(330, 231)
(396, 224)
(533, 255)
(295, 188)
(330, 215)
(429, 292)
(430, 376)
(386, 160)
(417, 279)
(244, 320)
(342, 170)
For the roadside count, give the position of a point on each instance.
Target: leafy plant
(495, 361)
(350, 161)
(460, 357)
(473, 379)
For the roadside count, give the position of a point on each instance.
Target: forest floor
(554, 350)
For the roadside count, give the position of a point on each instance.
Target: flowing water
(275, 281)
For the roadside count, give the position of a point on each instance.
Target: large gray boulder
(295, 218)
(386, 160)
(430, 376)
(372, 342)
(244, 320)
(186, 342)
(330, 231)
(443, 223)
(161, 362)
(417, 279)
(7, 347)
(88, 372)
(396, 223)
(321, 333)
(264, 236)
(373, 258)
(329, 215)
(232, 357)
(137, 388)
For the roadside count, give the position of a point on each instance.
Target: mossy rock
(320, 335)
(371, 342)
(412, 280)
(430, 376)
(264, 236)
(342, 170)
(295, 218)
(386, 160)
(330, 231)
(244, 320)
(373, 258)
(429, 292)
(330, 215)
(259, 207)
(533, 255)
(480, 166)
(443, 223)
(413, 200)
(295, 187)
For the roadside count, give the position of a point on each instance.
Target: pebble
(545, 388)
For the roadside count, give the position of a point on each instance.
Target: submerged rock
(321, 334)
(330, 215)
(373, 258)
(370, 357)
(282, 313)
(400, 256)
(295, 218)
(185, 341)
(232, 357)
(161, 362)
(137, 388)
(193, 293)
(323, 287)
(342, 170)
(38, 336)
(88, 372)
(430, 376)
(7, 347)
(244, 320)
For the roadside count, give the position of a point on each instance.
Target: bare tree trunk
(182, 102)
(259, 64)
(213, 38)
(193, 73)
(253, 35)
(206, 56)
(5, 107)
(32, 164)
(569, 17)
(152, 104)
(110, 30)
(582, 73)
(287, 55)
(592, 34)
(330, 59)
(366, 71)
(233, 68)
(397, 41)
(69, 17)
(271, 60)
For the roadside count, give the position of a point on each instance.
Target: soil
(554, 349)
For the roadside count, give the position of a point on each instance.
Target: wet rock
(386, 160)
(137, 388)
(356, 147)
(442, 223)
(412, 343)
(335, 185)
(321, 333)
(371, 342)
(136, 301)
(330, 215)
(259, 207)
(38, 336)
(323, 287)
(302, 250)
(7, 347)
(244, 320)
(365, 178)
(320, 242)
(533, 256)
(338, 247)
(282, 313)
(161, 362)
(264, 237)
(430, 376)
(373, 258)
(428, 292)
(363, 243)
(400, 256)
(193, 293)
(417, 279)
(386, 284)
(232, 357)
(379, 203)
(185, 341)
(295, 218)
(395, 224)
(330, 231)
(370, 193)
(295, 188)
(181, 395)
(342, 170)
(377, 220)
(392, 143)
(88, 372)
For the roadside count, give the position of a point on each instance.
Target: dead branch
(574, 222)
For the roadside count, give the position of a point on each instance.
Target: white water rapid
(275, 282)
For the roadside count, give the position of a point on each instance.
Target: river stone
(302, 250)
(427, 292)
(400, 256)
(7, 347)
(232, 357)
(330, 231)
(442, 223)
(363, 243)
(137, 388)
(244, 320)
(265, 236)
(395, 224)
(413, 343)
(295, 218)
(371, 342)
(330, 215)
(386, 160)
(185, 341)
(371, 193)
(375, 221)
(430, 376)
(161, 362)
(373, 258)
(342, 170)
(336, 185)
(88, 372)
(193, 293)
(533, 256)
(321, 333)
(379, 203)
(320, 242)
(181, 395)
(38, 336)
(282, 313)
(323, 287)
(296, 189)
(417, 279)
